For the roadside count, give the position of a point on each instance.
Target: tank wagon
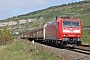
(64, 31)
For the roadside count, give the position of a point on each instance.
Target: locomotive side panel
(51, 31)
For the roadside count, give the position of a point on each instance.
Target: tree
(5, 36)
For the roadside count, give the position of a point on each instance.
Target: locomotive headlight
(78, 35)
(64, 35)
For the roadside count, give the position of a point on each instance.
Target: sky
(9, 8)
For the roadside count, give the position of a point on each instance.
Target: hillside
(76, 10)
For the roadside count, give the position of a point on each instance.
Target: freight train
(63, 31)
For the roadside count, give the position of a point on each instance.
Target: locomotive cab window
(66, 23)
(75, 24)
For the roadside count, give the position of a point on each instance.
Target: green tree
(5, 36)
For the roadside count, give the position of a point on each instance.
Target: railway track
(84, 49)
(78, 53)
(85, 45)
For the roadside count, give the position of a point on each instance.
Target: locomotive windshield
(70, 23)
(75, 23)
(66, 23)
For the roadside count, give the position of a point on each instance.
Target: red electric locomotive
(64, 31)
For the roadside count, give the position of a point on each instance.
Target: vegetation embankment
(25, 50)
(11, 49)
(86, 36)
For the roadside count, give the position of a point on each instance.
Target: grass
(86, 36)
(25, 50)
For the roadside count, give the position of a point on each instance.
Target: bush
(5, 36)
